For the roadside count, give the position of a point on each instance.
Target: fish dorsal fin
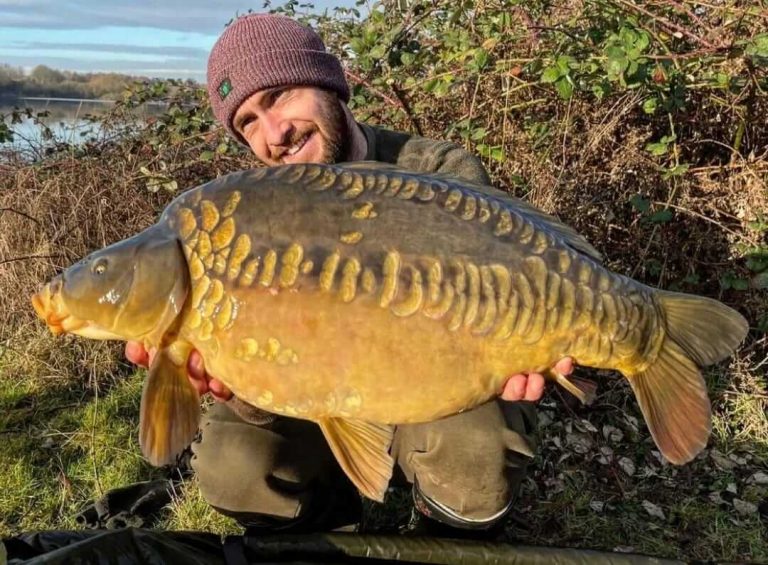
(170, 407)
(362, 450)
(515, 205)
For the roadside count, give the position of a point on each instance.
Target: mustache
(291, 140)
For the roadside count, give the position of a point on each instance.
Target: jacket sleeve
(430, 156)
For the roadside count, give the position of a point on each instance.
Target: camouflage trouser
(282, 473)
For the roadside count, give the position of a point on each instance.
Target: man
(276, 90)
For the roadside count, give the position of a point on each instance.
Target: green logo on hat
(225, 87)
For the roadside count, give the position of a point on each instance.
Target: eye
(99, 267)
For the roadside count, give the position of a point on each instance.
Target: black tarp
(131, 546)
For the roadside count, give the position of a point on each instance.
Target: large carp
(360, 296)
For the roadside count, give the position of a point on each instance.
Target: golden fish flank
(351, 237)
(349, 274)
(364, 211)
(268, 272)
(271, 351)
(187, 222)
(291, 261)
(220, 262)
(250, 270)
(209, 214)
(328, 271)
(231, 204)
(223, 235)
(247, 349)
(239, 253)
(204, 246)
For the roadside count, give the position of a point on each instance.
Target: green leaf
(481, 59)
(407, 58)
(650, 105)
(207, 156)
(479, 133)
(550, 74)
(656, 149)
(640, 203)
(564, 63)
(675, 171)
(564, 88)
(661, 216)
(497, 154)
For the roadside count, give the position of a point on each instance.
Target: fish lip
(50, 308)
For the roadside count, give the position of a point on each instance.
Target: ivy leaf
(640, 203)
(550, 74)
(650, 105)
(661, 216)
(481, 59)
(656, 149)
(564, 88)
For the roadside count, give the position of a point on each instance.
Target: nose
(277, 131)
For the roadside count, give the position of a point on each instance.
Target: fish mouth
(50, 308)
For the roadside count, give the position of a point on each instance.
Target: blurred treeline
(45, 81)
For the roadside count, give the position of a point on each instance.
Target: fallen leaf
(612, 434)
(580, 443)
(721, 461)
(759, 478)
(653, 510)
(597, 505)
(627, 465)
(744, 507)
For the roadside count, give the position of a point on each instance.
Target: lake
(67, 120)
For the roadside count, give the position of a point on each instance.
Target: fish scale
(361, 297)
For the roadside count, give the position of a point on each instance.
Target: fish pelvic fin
(673, 398)
(584, 390)
(362, 450)
(671, 391)
(170, 407)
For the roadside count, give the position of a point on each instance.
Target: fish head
(131, 290)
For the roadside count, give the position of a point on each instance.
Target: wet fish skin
(359, 296)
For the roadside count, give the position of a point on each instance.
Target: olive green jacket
(422, 155)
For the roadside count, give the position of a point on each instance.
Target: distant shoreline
(9, 99)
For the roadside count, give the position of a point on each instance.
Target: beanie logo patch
(225, 87)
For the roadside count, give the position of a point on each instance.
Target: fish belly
(310, 355)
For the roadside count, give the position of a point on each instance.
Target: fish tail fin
(671, 391)
(707, 330)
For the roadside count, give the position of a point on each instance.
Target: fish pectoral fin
(170, 408)
(582, 389)
(362, 450)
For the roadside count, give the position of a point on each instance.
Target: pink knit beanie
(260, 51)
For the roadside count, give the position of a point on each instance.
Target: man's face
(294, 124)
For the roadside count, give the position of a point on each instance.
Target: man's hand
(518, 387)
(202, 381)
(531, 387)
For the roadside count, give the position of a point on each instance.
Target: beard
(332, 127)
(334, 122)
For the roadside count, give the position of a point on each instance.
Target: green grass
(65, 444)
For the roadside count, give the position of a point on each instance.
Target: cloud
(202, 16)
(173, 51)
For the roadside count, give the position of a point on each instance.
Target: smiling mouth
(296, 147)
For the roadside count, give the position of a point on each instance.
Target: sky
(169, 38)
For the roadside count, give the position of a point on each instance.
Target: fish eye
(99, 267)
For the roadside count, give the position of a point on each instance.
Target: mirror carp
(360, 296)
